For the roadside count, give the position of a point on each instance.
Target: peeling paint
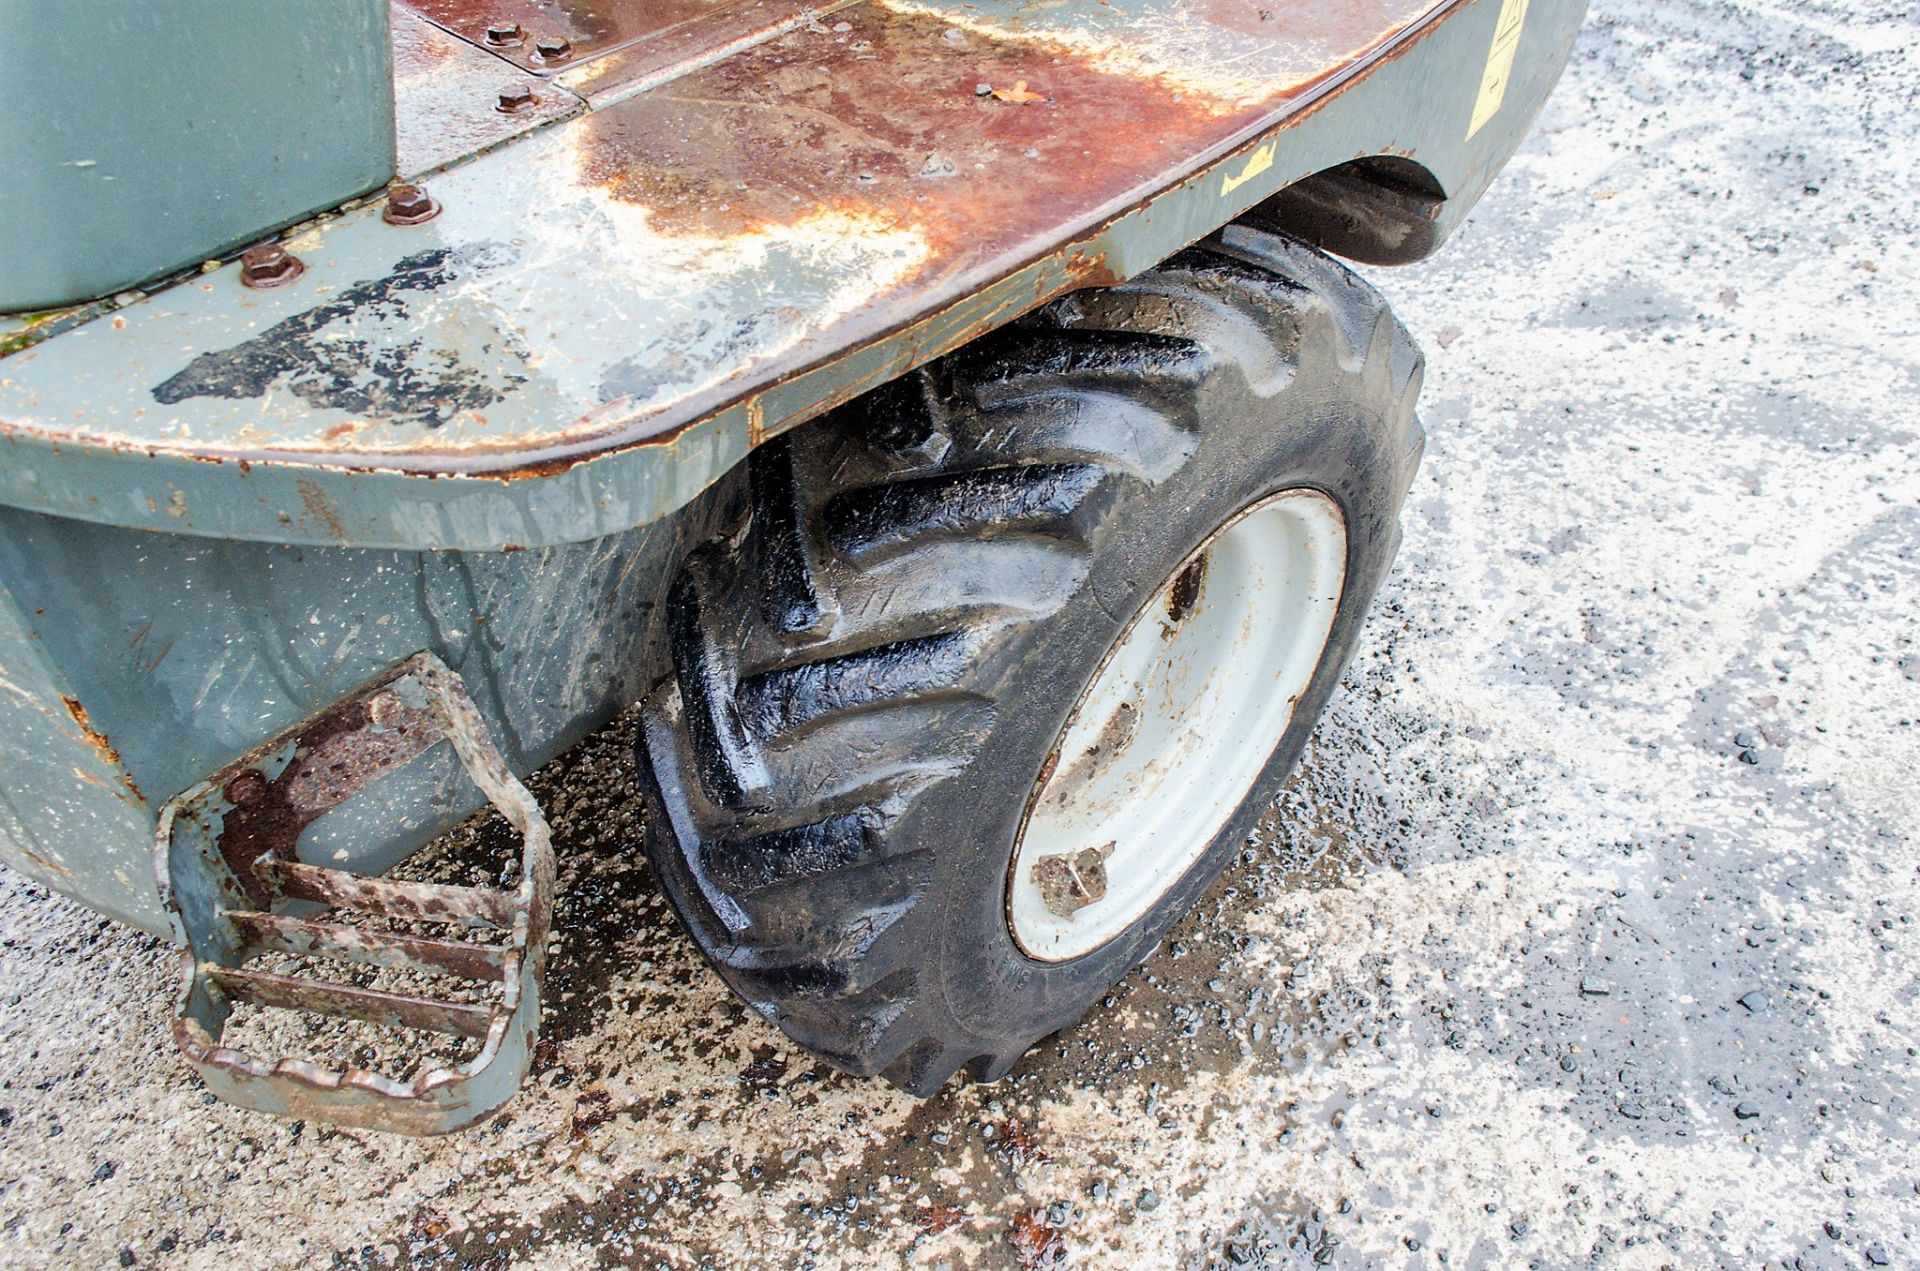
(363, 350)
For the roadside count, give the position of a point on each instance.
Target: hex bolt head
(245, 788)
(553, 48)
(409, 204)
(514, 98)
(269, 265)
(385, 709)
(504, 34)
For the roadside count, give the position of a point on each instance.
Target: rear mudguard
(611, 311)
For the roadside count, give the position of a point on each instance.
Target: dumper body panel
(487, 433)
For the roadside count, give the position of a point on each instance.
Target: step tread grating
(347, 1001)
(310, 937)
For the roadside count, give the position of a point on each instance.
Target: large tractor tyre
(1007, 656)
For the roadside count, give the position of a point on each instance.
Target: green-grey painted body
(133, 664)
(119, 158)
(489, 436)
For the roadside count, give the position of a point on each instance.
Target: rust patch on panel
(883, 121)
(41, 862)
(342, 752)
(1186, 590)
(94, 737)
(1222, 54)
(672, 52)
(560, 463)
(320, 508)
(98, 742)
(1070, 881)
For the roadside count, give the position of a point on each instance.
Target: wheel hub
(1177, 724)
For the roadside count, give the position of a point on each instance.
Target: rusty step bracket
(236, 891)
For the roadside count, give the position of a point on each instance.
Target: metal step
(422, 902)
(306, 937)
(237, 891)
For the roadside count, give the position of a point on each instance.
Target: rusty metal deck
(728, 220)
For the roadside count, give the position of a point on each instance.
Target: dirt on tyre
(1003, 660)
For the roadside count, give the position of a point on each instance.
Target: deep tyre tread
(860, 669)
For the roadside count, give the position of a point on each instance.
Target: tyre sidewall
(1318, 434)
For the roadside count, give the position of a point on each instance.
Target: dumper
(945, 424)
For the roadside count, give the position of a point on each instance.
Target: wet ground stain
(1187, 1009)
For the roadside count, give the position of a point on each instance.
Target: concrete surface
(1585, 936)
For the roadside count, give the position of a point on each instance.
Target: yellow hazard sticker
(1257, 162)
(1493, 83)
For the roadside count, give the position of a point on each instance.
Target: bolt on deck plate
(546, 36)
(236, 891)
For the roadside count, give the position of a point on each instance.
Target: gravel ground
(1585, 935)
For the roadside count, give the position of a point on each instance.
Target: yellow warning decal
(1493, 84)
(1257, 162)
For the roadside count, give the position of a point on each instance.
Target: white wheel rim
(1180, 719)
